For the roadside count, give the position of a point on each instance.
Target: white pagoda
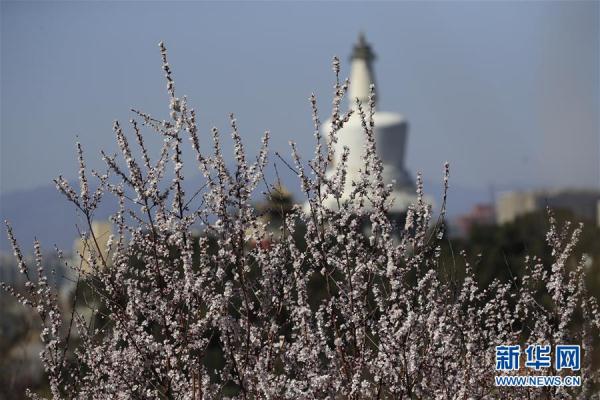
(391, 131)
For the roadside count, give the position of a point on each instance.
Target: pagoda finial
(362, 49)
(361, 71)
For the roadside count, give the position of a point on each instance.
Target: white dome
(390, 135)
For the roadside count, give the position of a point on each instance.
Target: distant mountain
(45, 213)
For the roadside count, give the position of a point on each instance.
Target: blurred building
(102, 231)
(9, 272)
(480, 215)
(391, 134)
(272, 212)
(585, 204)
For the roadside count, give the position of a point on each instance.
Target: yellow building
(581, 202)
(102, 231)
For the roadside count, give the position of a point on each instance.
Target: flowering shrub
(392, 322)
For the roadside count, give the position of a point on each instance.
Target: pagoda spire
(361, 71)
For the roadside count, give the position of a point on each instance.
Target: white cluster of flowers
(391, 323)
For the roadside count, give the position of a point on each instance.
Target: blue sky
(507, 92)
